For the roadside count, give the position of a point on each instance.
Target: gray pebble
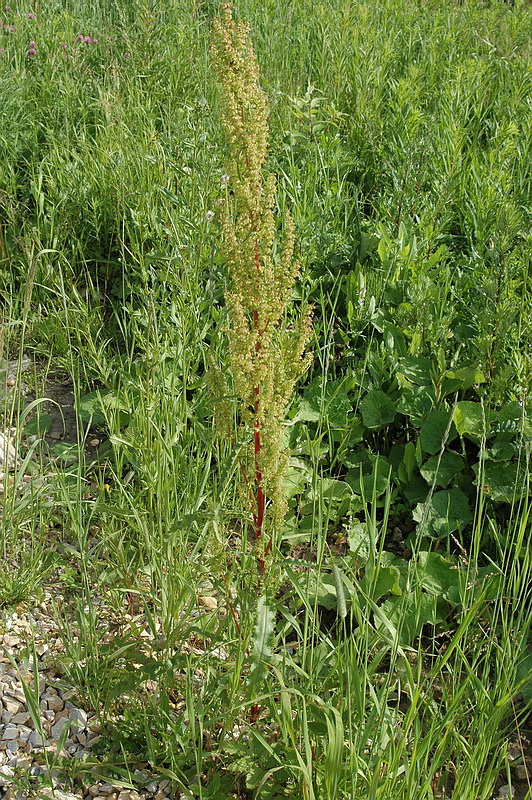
(11, 732)
(57, 729)
(21, 719)
(35, 739)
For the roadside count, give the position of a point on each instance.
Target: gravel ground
(56, 726)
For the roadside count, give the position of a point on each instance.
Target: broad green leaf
(416, 403)
(377, 409)
(327, 401)
(39, 425)
(378, 481)
(452, 508)
(501, 451)
(437, 573)
(295, 481)
(503, 481)
(358, 541)
(416, 491)
(387, 581)
(89, 407)
(67, 453)
(471, 419)
(409, 613)
(410, 459)
(416, 369)
(433, 434)
(467, 376)
(441, 471)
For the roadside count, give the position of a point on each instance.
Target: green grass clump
(393, 659)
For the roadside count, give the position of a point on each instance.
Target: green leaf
(503, 481)
(377, 409)
(378, 481)
(386, 581)
(410, 460)
(416, 403)
(449, 511)
(416, 369)
(440, 472)
(467, 376)
(358, 541)
(261, 649)
(327, 401)
(89, 407)
(340, 594)
(471, 419)
(501, 451)
(432, 433)
(67, 453)
(39, 425)
(438, 574)
(409, 613)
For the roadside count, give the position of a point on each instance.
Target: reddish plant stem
(258, 516)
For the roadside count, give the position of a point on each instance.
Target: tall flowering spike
(266, 355)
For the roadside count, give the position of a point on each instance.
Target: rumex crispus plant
(266, 354)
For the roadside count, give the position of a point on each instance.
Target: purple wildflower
(64, 46)
(95, 41)
(87, 40)
(32, 44)
(81, 38)
(31, 52)
(127, 55)
(7, 9)
(11, 28)
(31, 15)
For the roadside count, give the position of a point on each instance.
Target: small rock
(211, 603)
(152, 787)
(35, 739)
(11, 732)
(505, 793)
(22, 718)
(57, 729)
(12, 746)
(78, 718)
(24, 733)
(55, 703)
(106, 789)
(12, 705)
(521, 772)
